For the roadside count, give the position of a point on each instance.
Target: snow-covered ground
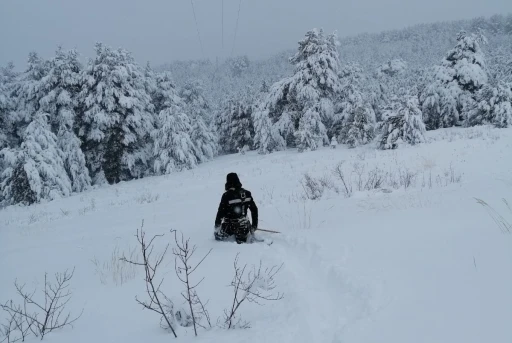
(424, 263)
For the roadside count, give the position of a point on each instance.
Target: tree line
(65, 127)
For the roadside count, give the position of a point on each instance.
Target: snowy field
(416, 260)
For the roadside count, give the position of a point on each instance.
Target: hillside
(420, 46)
(415, 259)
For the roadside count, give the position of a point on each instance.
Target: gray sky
(160, 31)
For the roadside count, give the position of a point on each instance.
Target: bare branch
(56, 298)
(183, 253)
(256, 286)
(155, 304)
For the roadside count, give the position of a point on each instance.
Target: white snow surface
(422, 264)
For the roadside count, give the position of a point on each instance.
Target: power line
(222, 24)
(197, 27)
(236, 27)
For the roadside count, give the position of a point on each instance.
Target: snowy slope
(422, 264)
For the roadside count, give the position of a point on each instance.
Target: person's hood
(232, 181)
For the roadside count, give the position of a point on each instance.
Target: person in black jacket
(232, 213)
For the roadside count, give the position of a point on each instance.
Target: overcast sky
(160, 31)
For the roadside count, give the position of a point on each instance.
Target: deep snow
(422, 264)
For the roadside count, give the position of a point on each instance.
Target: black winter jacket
(234, 204)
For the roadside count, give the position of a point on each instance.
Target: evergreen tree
(59, 92)
(27, 94)
(204, 139)
(354, 121)
(406, 125)
(173, 149)
(235, 125)
(459, 77)
(193, 94)
(238, 65)
(266, 136)
(431, 107)
(392, 132)
(202, 133)
(117, 117)
(494, 106)
(311, 133)
(35, 171)
(7, 78)
(414, 127)
(359, 127)
(390, 79)
(150, 81)
(313, 88)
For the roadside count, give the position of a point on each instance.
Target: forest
(67, 125)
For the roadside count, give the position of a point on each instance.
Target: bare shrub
(158, 302)
(327, 183)
(304, 216)
(65, 213)
(347, 183)
(504, 225)
(16, 324)
(147, 198)
(427, 180)
(89, 208)
(375, 179)
(254, 286)
(361, 156)
(41, 318)
(8, 330)
(358, 169)
(313, 189)
(268, 193)
(183, 253)
(451, 175)
(116, 269)
(406, 177)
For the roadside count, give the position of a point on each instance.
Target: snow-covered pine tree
(150, 82)
(316, 80)
(204, 138)
(35, 170)
(414, 127)
(26, 94)
(392, 132)
(235, 124)
(117, 117)
(59, 92)
(315, 83)
(392, 68)
(459, 77)
(431, 107)
(193, 94)
(238, 65)
(502, 106)
(404, 126)
(387, 80)
(7, 78)
(354, 121)
(202, 133)
(173, 148)
(494, 106)
(507, 77)
(266, 136)
(312, 132)
(359, 126)
(264, 88)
